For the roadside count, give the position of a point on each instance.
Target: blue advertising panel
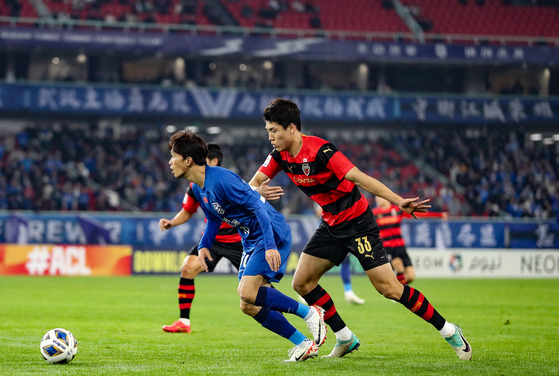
(534, 235)
(454, 234)
(242, 104)
(143, 231)
(432, 109)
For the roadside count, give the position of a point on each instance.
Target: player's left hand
(412, 205)
(274, 259)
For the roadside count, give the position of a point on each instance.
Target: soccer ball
(59, 346)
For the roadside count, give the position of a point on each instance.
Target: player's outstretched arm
(181, 217)
(372, 185)
(260, 183)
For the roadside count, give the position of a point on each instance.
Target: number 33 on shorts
(364, 247)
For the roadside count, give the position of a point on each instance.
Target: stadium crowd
(499, 171)
(66, 167)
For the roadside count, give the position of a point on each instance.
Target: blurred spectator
(297, 6)
(315, 22)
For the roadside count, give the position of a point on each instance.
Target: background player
(266, 239)
(348, 225)
(227, 244)
(345, 274)
(389, 220)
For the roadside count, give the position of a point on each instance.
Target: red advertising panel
(75, 260)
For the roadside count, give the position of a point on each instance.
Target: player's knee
(189, 270)
(410, 277)
(249, 309)
(247, 296)
(389, 291)
(299, 287)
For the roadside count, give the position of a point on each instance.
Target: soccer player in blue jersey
(266, 239)
(227, 245)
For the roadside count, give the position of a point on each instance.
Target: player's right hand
(204, 253)
(274, 259)
(270, 193)
(165, 224)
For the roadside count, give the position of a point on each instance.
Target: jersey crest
(306, 168)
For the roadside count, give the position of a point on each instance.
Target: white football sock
(447, 330)
(344, 334)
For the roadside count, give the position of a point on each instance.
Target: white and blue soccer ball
(59, 346)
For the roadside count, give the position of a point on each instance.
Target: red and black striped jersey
(226, 234)
(319, 171)
(389, 221)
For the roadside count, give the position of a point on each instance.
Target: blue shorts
(254, 263)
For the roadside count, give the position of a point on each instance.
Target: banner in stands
(142, 232)
(68, 260)
(481, 263)
(273, 47)
(240, 104)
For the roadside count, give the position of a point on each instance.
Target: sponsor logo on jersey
(218, 208)
(307, 180)
(267, 161)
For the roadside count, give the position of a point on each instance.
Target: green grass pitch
(512, 325)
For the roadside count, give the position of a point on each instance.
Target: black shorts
(231, 251)
(400, 252)
(366, 246)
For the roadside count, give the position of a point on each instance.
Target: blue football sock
(277, 323)
(277, 301)
(345, 273)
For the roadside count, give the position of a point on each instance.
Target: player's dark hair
(214, 151)
(283, 112)
(187, 144)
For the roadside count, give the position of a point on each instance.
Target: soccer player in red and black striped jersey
(389, 219)
(348, 224)
(227, 244)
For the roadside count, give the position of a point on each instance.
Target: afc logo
(306, 168)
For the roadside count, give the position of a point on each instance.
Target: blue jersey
(228, 198)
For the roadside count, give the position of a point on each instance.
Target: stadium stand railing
(153, 27)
